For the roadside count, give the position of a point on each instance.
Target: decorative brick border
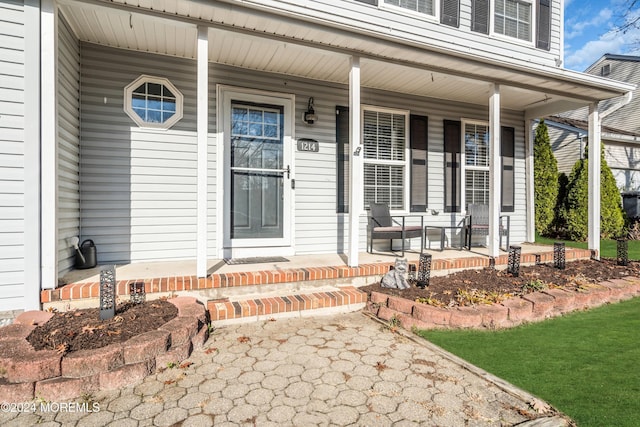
(25, 373)
(76, 291)
(532, 307)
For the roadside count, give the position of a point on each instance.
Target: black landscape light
(137, 293)
(559, 256)
(424, 271)
(513, 267)
(108, 293)
(623, 252)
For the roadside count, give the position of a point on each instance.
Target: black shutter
(450, 12)
(507, 152)
(418, 141)
(342, 158)
(480, 16)
(452, 138)
(544, 25)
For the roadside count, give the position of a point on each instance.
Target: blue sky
(589, 27)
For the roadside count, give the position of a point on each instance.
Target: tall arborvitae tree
(545, 174)
(576, 207)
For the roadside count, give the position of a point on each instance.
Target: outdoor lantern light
(424, 271)
(538, 259)
(623, 252)
(137, 293)
(108, 293)
(309, 116)
(558, 255)
(514, 260)
(492, 263)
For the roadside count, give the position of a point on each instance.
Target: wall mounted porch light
(309, 116)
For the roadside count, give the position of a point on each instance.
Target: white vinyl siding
(12, 164)
(416, 29)
(68, 144)
(137, 186)
(425, 7)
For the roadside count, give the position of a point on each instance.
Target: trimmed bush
(575, 209)
(545, 174)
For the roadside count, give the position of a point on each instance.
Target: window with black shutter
(480, 16)
(450, 12)
(418, 140)
(452, 137)
(342, 158)
(544, 25)
(507, 151)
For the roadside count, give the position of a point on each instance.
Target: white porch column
(594, 179)
(32, 273)
(355, 171)
(49, 141)
(203, 133)
(494, 171)
(530, 189)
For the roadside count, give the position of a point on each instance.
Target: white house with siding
(176, 129)
(620, 129)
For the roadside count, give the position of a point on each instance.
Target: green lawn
(608, 248)
(585, 364)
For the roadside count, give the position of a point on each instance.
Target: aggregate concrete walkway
(335, 370)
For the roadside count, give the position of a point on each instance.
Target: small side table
(443, 229)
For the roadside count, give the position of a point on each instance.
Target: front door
(257, 140)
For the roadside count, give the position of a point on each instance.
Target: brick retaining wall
(26, 373)
(532, 307)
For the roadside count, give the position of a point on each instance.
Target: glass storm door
(259, 174)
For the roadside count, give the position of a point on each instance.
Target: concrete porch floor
(148, 270)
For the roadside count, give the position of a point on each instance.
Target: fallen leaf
(381, 366)
(243, 339)
(185, 365)
(210, 350)
(167, 382)
(113, 332)
(88, 329)
(62, 348)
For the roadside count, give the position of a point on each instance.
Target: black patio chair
(477, 223)
(384, 226)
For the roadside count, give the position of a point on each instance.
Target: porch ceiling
(244, 38)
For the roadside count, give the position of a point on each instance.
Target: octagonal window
(153, 102)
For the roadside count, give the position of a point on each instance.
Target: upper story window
(153, 102)
(513, 19)
(425, 7)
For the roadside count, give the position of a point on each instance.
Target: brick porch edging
(532, 307)
(26, 373)
(76, 291)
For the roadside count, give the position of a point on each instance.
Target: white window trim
(407, 153)
(415, 14)
(463, 161)
(532, 28)
(128, 107)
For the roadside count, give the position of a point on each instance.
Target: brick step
(264, 307)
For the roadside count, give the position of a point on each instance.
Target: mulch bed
(83, 330)
(469, 287)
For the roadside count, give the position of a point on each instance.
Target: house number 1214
(305, 144)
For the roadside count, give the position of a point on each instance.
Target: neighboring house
(181, 129)
(569, 138)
